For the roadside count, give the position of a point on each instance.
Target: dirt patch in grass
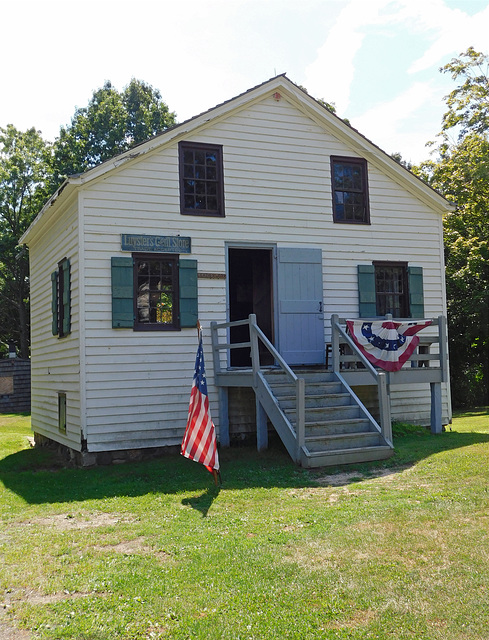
(359, 619)
(137, 546)
(66, 522)
(347, 477)
(7, 632)
(28, 596)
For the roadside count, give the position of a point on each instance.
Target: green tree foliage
(461, 174)
(23, 173)
(468, 103)
(112, 123)
(30, 170)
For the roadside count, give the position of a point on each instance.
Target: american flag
(199, 440)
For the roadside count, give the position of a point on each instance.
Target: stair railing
(263, 391)
(379, 377)
(293, 440)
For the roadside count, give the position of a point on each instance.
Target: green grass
(396, 549)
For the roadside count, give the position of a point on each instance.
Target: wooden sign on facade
(159, 244)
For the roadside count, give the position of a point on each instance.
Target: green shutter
(188, 293)
(416, 297)
(122, 293)
(54, 302)
(65, 270)
(366, 291)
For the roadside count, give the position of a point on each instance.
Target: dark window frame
(206, 183)
(363, 191)
(157, 326)
(62, 412)
(381, 296)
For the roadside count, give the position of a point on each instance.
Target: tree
(461, 174)
(23, 173)
(468, 104)
(112, 123)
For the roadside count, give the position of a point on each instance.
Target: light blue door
(300, 302)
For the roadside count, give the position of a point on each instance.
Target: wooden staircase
(337, 428)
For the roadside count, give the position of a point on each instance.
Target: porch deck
(348, 368)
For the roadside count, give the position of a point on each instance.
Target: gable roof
(294, 94)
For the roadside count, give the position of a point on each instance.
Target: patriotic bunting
(386, 344)
(199, 441)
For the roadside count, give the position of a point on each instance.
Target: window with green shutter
(390, 287)
(154, 292)
(61, 299)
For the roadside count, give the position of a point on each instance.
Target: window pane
(200, 202)
(189, 186)
(212, 203)
(188, 171)
(200, 157)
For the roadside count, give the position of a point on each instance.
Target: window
(154, 292)
(350, 190)
(391, 289)
(61, 299)
(156, 286)
(201, 179)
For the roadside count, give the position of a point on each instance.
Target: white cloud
(388, 124)
(334, 64)
(454, 31)
(403, 122)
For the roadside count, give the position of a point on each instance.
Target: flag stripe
(199, 441)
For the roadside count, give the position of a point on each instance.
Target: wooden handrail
(379, 376)
(259, 383)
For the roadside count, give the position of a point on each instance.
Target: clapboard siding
(55, 361)
(135, 386)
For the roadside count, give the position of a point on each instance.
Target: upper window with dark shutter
(350, 190)
(201, 179)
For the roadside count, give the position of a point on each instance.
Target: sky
(378, 61)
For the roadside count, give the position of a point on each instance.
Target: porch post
(436, 423)
(261, 426)
(384, 407)
(335, 343)
(223, 416)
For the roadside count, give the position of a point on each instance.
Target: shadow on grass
(35, 474)
(203, 502)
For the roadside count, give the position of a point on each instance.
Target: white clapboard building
(270, 220)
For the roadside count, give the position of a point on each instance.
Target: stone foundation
(72, 458)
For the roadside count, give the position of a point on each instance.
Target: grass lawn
(397, 549)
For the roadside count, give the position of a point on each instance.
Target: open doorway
(250, 291)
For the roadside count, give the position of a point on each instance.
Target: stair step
(323, 414)
(286, 388)
(332, 427)
(336, 457)
(317, 400)
(341, 441)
